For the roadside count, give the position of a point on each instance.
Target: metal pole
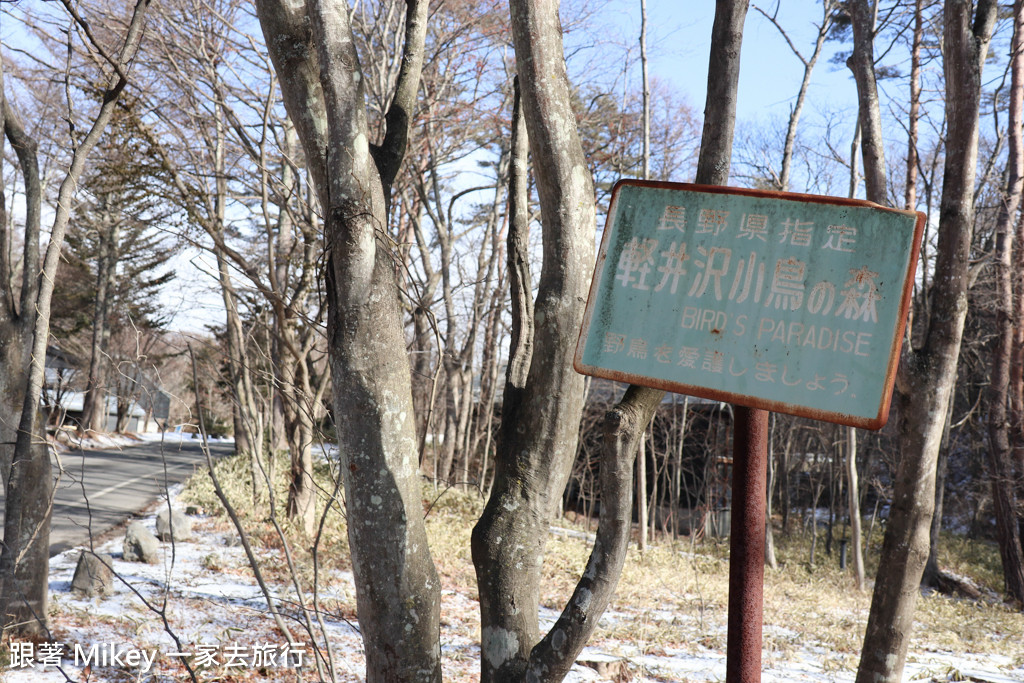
(746, 543)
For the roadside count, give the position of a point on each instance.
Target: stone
(140, 545)
(608, 667)
(173, 522)
(93, 574)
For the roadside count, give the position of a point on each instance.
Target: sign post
(746, 545)
(770, 301)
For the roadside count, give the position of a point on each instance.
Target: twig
(253, 563)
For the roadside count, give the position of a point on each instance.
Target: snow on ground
(71, 440)
(214, 608)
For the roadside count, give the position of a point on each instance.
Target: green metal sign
(787, 302)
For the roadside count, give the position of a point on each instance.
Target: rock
(140, 545)
(93, 574)
(173, 522)
(608, 667)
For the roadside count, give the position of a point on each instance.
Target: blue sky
(770, 73)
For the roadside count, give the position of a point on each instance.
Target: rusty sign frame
(604, 270)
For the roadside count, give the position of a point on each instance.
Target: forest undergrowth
(671, 598)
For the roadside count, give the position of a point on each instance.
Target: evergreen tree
(117, 238)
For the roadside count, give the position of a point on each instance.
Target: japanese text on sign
(793, 302)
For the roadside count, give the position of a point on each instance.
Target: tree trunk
(94, 408)
(1017, 373)
(14, 358)
(248, 421)
(16, 321)
(623, 427)
(24, 467)
(397, 587)
(769, 533)
(282, 343)
(543, 398)
(301, 488)
(784, 465)
(641, 495)
(914, 114)
(652, 502)
(853, 492)
(646, 93)
(932, 572)
(927, 374)
(1001, 465)
(862, 64)
(813, 516)
(277, 427)
(24, 558)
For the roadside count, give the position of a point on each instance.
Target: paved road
(99, 490)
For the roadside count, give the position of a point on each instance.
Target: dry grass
(450, 518)
(675, 595)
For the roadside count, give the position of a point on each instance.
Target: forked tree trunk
(543, 399)
(397, 587)
(927, 374)
(514, 524)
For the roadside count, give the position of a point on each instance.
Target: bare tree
(533, 463)
(25, 609)
(227, 151)
(926, 374)
(853, 505)
(112, 231)
(1001, 465)
(25, 553)
(397, 587)
(828, 9)
(500, 540)
(863, 17)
